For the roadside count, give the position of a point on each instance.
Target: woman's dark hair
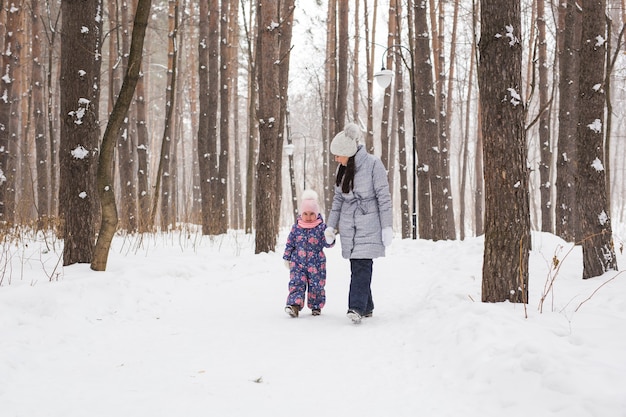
(345, 176)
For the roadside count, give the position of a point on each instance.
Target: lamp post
(304, 159)
(289, 148)
(383, 77)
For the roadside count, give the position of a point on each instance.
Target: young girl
(304, 256)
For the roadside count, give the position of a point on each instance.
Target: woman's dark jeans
(360, 297)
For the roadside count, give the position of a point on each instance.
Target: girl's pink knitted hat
(308, 202)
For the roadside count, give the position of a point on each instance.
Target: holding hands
(329, 234)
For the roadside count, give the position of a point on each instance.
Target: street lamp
(383, 77)
(289, 149)
(304, 160)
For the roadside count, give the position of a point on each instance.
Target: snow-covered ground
(184, 325)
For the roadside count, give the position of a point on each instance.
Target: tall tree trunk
(267, 55)
(80, 130)
(9, 61)
(285, 20)
(330, 97)
(237, 212)
(342, 66)
(401, 119)
(356, 65)
(162, 189)
(545, 162)
(446, 208)
(595, 219)
(479, 190)
(427, 130)
(127, 144)
(221, 194)
(203, 118)
(507, 212)
(212, 112)
(370, 63)
(52, 122)
(569, 68)
(116, 121)
(252, 142)
(386, 110)
(143, 146)
(39, 116)
(16, 137)
(466, 138)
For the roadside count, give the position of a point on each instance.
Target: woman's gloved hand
(387, 236)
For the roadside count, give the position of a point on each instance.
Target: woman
(361, 213)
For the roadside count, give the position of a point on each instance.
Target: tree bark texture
(426, 125)
(80, 130)
(342, 65)
(39, 116)
(594, 216)
(569, 68)
(117, 120)
(268, 48)
(507, 216)
(545, 145)
(9, 61)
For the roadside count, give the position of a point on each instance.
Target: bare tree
(213, 45)
(237, 213)
(143, 147)
(80, 129)
(9, 60)
(267, 55)
(385, 133)
(465, 163)
(443, 204)
(330, 93)
(252, 142)
(402, 145)
(569, 67)
(426, 125)
(221, 186)
(507, 212)
(342, 65)
(545, 146)
(39, 115)
(203, 119)
(104, 178)
(127, 143)
(163, 186)
(594, 216)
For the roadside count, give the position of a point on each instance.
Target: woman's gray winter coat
(360, 215)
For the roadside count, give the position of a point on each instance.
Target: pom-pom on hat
(345, 143)
(308, 202)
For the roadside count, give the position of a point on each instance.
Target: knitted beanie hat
(309, 202)
(345, 143)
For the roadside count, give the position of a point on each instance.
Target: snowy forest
(142, 116)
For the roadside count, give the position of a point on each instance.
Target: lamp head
(289, 148)
(384, 77)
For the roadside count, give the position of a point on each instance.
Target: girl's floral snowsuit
(307, 264)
